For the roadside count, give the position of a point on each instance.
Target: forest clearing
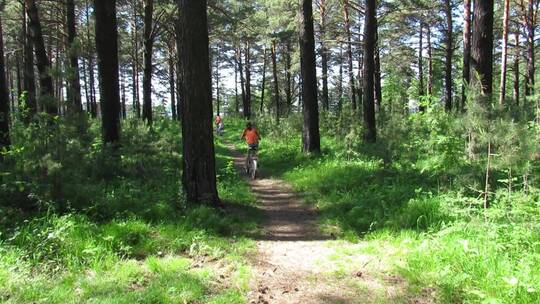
(269, 151)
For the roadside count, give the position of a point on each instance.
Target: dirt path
(296, 263)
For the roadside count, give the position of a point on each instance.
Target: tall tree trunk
(466, 51)
(19, 77)
(74, 87)
(340, 79)
(421, 91)
(377, 80)
(349, 53)
(107, 51)
(29, 77)
(276, 82)
(172, 81)
(199, 169)
(263, 84)
(9, 81)
(530, 21)
(43, 63)
(430, 62)
(123, 95)
(4, 97)
(482, 48)
(236, 100)
(92, 100)
(288, 76)
(58, 82)
(449, 48)
(242, 80)
(148, 51)
(217, 76)
(179, 79)
(247, 102)
(502, 91)
(324, 56)
(311, 142)
(370, 34)
(86, 91)
(135, 59)
(517, 55)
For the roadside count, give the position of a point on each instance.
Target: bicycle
(252, 162)
(220, 129)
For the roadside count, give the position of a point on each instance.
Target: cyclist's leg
(246, 164)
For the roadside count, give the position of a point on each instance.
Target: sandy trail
(296, 263)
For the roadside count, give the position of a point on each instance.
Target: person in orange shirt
(252, 137)
(219, 125)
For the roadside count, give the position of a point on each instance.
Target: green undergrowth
(420, 208)
(86, 223)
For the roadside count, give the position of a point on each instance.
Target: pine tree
(310, 138)
(199, 173)
(107, 51)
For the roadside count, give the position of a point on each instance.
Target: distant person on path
(219, 125)
(252, 137)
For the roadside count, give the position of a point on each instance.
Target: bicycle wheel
(253, 168)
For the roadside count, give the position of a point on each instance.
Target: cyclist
(252, 137)
(219, 125)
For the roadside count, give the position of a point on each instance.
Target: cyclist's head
(249, 125)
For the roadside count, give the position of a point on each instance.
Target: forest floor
(296, 263)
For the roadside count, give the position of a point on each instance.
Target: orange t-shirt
(218, 120)
(252, 136)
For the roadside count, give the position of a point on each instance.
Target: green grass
(118, 230)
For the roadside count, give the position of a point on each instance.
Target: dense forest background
(412, 126)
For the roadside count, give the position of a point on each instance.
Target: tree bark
(340, 79)
(135, 58)
(466, 51)
(288, 76)
(123, 95)
(310, 137)
(43, 63)
(86, 91)
(430, 63)
(449, 48)
(19, 76)
(29, 78)
(199, 173)
(247, 66)
(502, 90)
(276, 82)
(107, 51)
(74, 86)
(242, 80)
(217, 76)
(148, 51)
(421, 91)
(5, 141)
(263, 84)
(172, 81)
(530, 22)
(349, 53)
(370, 34)
(92, 100)
(377, 79)
(236, 101)
(482, 48)
(517, 54)
(324, 56)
